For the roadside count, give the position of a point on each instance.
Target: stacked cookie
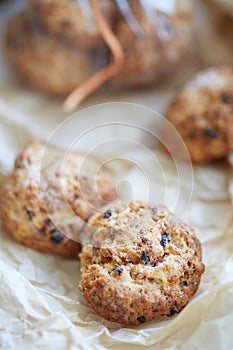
(138, 261)
(55, 45)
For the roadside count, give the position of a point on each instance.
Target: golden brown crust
(36, 198)
(155, 48)
(72, 21)
(46, 63)
(143, 263)
(202, 113)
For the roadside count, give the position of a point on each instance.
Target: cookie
(139, 262)
(72, 21)
(202, 113)
(155, 42)
(47, 63)
(43, 204)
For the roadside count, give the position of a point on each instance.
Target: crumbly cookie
(140, 262)
(46, 63)
(155, 43)
(72, 21)
(48, 198)
(202, 113)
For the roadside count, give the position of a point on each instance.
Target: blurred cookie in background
(45, 62)
(156, 39)
(71, 21)
(202, 113)
(55, 45)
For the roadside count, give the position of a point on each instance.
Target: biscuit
(42, 204)
(202, 113)
(154, 47)
(47, 63)
(139, 262)
(73, 21)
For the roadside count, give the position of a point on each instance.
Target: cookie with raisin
(47, 199)
(202, 113)
(139, 262)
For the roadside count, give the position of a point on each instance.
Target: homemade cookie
(72, 21)
(46, 63)
(46, 200)
(139, 262)
(202, 113)
(155, 42)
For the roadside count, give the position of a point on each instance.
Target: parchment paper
(40, 306)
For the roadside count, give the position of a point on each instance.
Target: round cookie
(42, 203)
(202, 113)
(155, 42)
(72, 21)
(140, 262)
(45, 62)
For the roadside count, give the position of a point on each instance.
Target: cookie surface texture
(48, 198)
(140, 263)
